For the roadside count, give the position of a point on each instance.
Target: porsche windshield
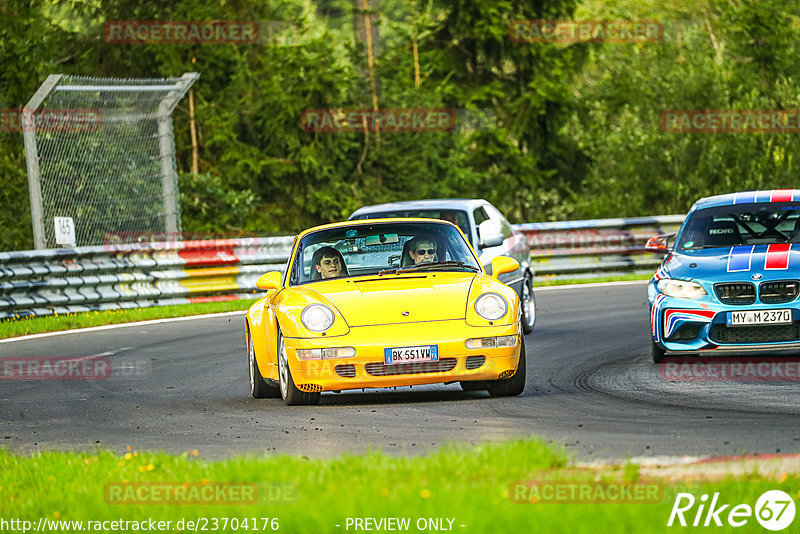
(382, 249)
(742, 224)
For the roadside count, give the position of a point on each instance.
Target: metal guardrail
(61, 281)
(595, 248)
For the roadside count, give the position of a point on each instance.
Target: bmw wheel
(289, 392)
(657, 352)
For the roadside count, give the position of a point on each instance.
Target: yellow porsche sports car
(384, 303)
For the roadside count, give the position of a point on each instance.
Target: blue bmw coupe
(730, 278)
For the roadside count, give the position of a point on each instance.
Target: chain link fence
(101, 158)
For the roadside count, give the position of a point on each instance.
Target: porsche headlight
(491, 306)
(681, 289)
(317, 317)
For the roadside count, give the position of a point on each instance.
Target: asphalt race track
(591, 386)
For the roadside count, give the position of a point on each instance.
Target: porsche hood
(397, 298)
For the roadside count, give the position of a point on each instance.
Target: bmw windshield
(742, 224)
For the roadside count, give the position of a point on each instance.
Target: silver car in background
(490, 234)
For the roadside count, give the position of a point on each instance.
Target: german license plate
(747, 318)
(422, 353)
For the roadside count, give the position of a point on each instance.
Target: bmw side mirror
(659, 243)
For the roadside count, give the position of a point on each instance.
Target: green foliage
(716, 56)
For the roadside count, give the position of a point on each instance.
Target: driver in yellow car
(422, 250)
(329, 263)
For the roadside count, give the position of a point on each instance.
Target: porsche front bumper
(367, 368)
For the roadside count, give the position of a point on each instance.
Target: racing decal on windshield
(777, 257)
(654, 316)
(673, 317)
(739, 258)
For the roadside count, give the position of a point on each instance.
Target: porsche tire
(528, 304)
(657, 352)
(288, 391)
(259, 387)
(475, 385)
(515, 384)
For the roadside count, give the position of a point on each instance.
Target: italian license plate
(747, 318)
(422, 353)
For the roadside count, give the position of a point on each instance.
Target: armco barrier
(594, 248)
(60, 281)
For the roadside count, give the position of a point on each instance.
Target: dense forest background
(575, 131)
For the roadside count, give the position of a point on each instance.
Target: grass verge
(458, 489)
(54, 323)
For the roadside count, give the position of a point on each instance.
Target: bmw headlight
(491, 306)
(681, 289)
(317, 317)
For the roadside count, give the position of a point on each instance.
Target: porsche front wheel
(259, 387)
(289, 392)
(475, 385)
(515, 384)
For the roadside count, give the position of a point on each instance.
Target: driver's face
(329, 267)
(425, 251)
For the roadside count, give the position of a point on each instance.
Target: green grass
(54, 323)
(314, 495)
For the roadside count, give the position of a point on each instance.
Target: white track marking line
(596, 284)
(122, 325)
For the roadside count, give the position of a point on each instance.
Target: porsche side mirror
(503, 264)
(271, 280)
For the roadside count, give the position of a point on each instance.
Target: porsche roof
(748, 197)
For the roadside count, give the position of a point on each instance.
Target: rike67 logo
(774, 510)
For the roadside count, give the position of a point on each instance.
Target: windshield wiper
(430, 266)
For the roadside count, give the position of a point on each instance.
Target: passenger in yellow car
(422, 250)
(328, 263)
